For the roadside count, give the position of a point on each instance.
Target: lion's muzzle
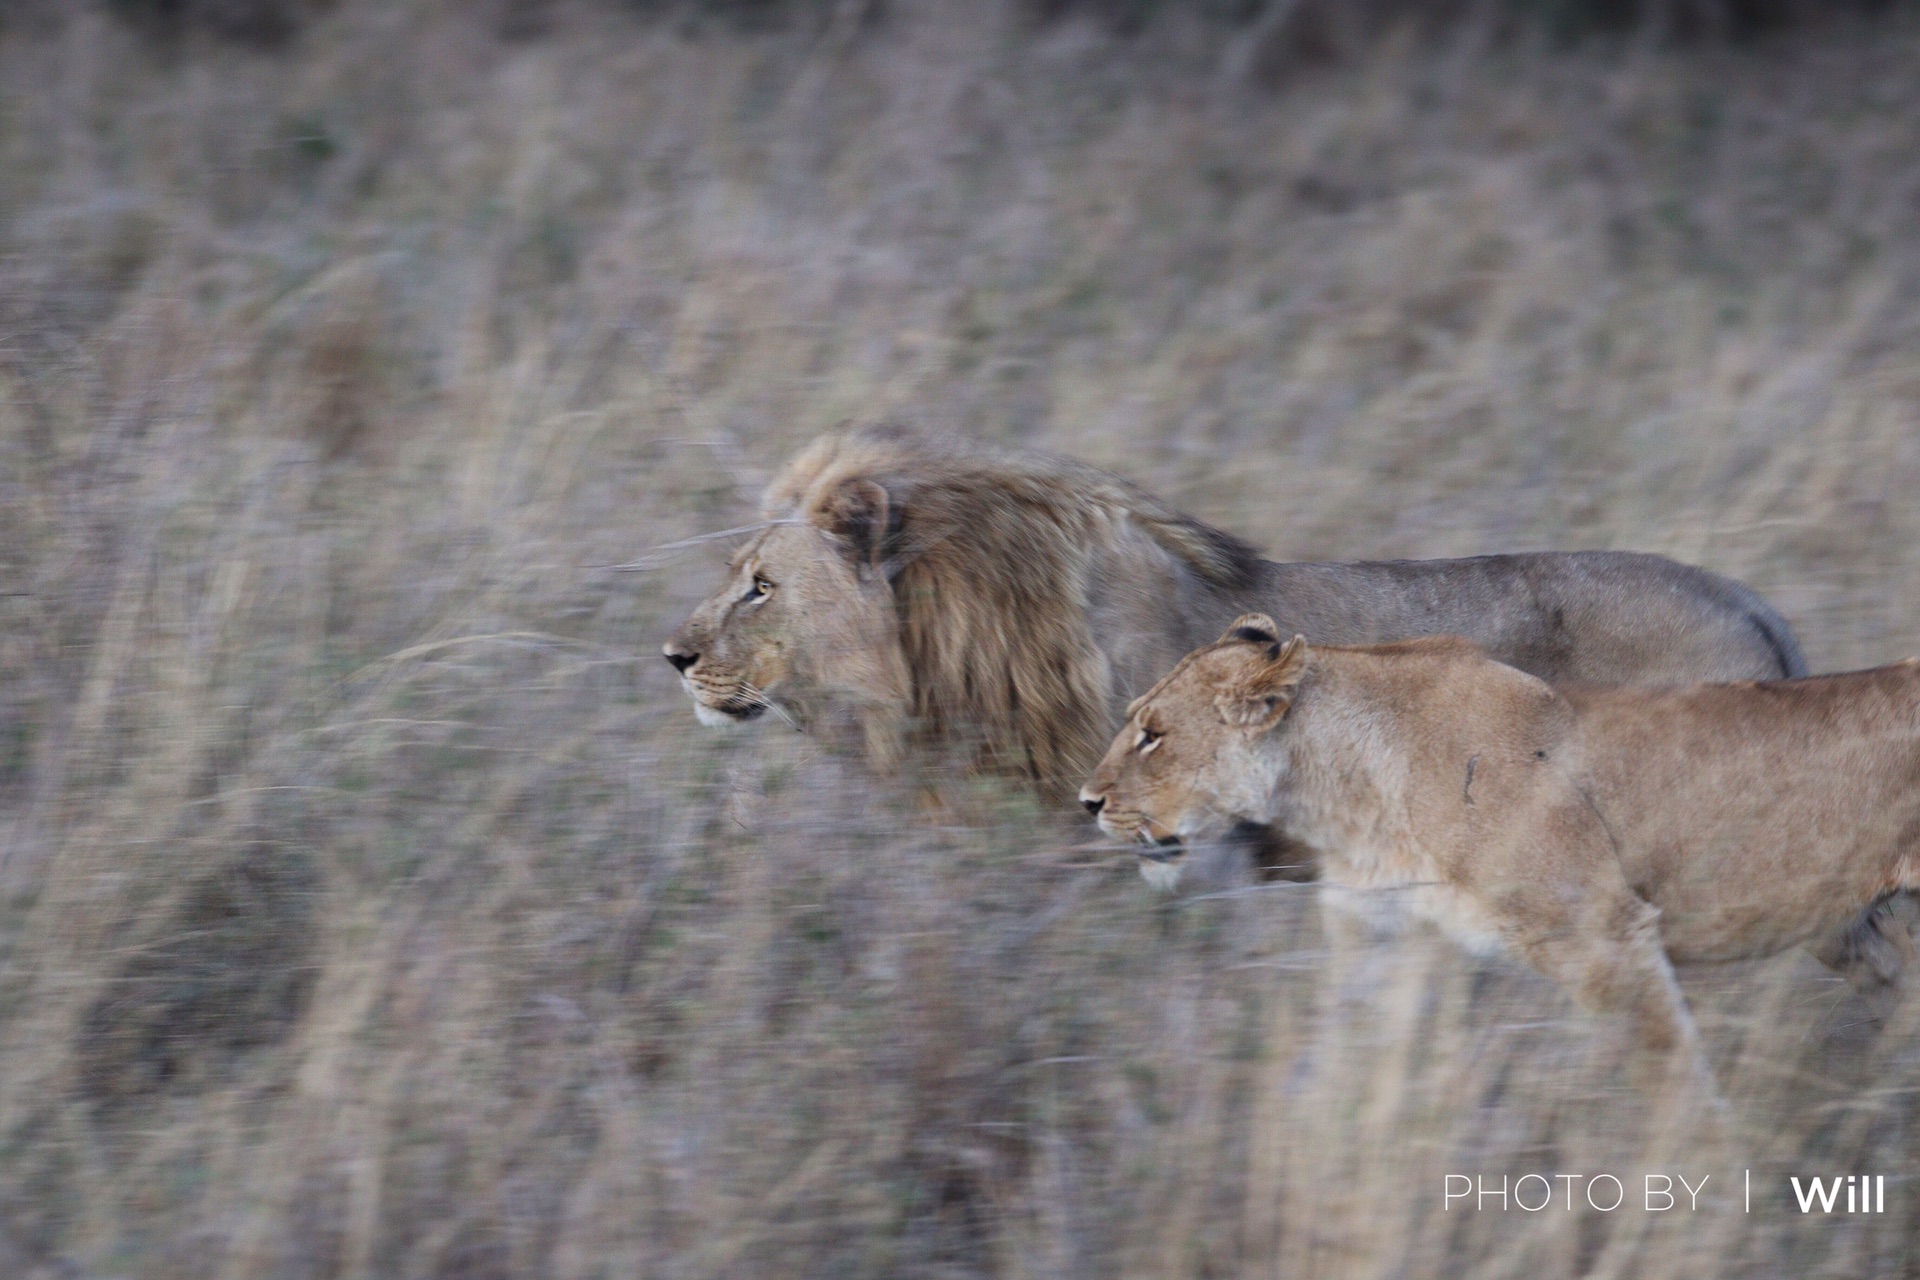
(718, 708)
(717, 702)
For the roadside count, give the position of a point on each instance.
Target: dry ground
(371, 904)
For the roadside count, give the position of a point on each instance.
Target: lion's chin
(726, 717)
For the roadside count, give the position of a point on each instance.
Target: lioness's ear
(863, 515)
(1255, 627)
(1260, 698)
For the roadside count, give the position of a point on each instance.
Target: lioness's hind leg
(1875, 948)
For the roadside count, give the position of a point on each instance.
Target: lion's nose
(1094, 803)
(680, 658)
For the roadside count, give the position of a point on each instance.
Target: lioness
(1014, 600)
(1597, 832)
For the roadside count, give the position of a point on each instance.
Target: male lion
(1013, 601)
(1597, 832)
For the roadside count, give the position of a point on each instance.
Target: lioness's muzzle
(1160, 848)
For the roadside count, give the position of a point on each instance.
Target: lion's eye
(1148, 741)
(760, 590)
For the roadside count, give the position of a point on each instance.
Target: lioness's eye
(1148, 741)
(761, 589)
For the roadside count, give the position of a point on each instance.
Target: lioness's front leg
(1609, 958)
(1569, 911)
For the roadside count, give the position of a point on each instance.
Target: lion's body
(1597, 832)
(1014, 601)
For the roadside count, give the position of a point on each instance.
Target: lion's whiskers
(758, 698)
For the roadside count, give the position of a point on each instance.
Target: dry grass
(371, 904)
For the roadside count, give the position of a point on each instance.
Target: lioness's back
(1777, 804)
(1777, 720)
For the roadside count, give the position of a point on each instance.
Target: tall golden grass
(370, 903)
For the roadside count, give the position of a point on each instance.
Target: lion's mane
(992, 556)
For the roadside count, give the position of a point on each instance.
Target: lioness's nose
(679, 657)
(1094, 803)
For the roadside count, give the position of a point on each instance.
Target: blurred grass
(371, 904)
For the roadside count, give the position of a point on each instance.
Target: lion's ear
(1257, 628)
(862, 514)
(1259, 699)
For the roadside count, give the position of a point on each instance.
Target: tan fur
(1010, 600)
(1597, 832)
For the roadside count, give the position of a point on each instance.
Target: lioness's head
(805, 616)
(1185, 766)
